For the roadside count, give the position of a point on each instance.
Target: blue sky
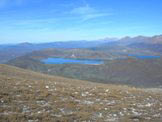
(62, 20)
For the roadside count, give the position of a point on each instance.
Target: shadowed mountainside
(116, 70)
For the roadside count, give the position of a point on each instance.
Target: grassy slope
(28, 96)
(139, 73)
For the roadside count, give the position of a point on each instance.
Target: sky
(63, 20)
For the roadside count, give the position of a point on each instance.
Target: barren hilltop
(27, 96)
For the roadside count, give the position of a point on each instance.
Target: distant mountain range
(8, 52)
(119, 66)
(154, 44)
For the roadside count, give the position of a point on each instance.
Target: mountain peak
(25, 44)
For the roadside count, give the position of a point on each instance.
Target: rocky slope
(26, 96)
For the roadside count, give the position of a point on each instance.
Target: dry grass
(26, 96)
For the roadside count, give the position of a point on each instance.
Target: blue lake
(72, 61)
(143, 56)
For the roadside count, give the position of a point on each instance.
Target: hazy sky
(60, 20)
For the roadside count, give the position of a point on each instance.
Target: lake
(72, 61)
(143, 56)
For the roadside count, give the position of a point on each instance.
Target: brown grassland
(27, 96)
